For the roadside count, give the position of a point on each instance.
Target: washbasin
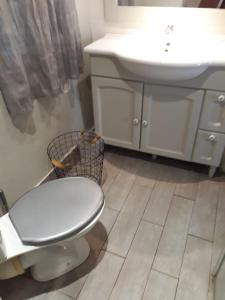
(167, 58)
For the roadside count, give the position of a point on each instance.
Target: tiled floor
(165, 225)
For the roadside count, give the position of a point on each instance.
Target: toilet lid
(56, 210)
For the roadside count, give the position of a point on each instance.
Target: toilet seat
(56, 210)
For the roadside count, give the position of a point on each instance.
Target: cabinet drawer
(213, 114)
(209, 148)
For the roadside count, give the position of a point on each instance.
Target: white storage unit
(183, 120)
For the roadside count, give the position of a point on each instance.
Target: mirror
(174, 3)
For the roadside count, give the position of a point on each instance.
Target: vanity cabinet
(117, 111)
(170, 120)
(178, 119)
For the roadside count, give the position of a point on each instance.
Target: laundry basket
(77, 153)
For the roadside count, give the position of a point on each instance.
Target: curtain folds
(40, 49)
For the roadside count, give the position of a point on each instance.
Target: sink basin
(167, 58)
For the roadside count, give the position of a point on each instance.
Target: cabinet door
(170, 120)
(209, 148)
(117, 111)
(213, 114)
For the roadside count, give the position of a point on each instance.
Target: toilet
(45, 229)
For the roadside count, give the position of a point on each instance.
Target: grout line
(114, 253)
(177, 195)
(147, 221)
(201, 238)
(178, 279)
(103, 246)
(114, 209)
(182, 262)
(151, 268)
(140, 218)
(99, 252)
(168, 275)
(129, 191)
(117, 278)
(69, 297)
(211, 275)
(132, 242)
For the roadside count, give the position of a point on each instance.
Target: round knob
(221, 99)
(212, 138)
(145, 123)
(135, 121)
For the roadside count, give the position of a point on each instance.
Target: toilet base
(58, 260)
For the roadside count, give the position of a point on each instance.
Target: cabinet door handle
(221, 99)
(145, 123)
(212, 138)
(135, 121)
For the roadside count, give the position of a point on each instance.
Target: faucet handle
(169, 28)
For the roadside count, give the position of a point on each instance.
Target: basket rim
(69, 132)
(96, 158)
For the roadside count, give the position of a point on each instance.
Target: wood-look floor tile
(40, 297)
(158, 206)
(118, 192)
(172, 245)
(219, 284)
(123, 232)
(187, 186)
(160, 287)
(221, 202)
(219, 239)
(210, 296)
(195, 271)
(205, 208)
(112, 164)
(134, 274)
(101, 280)
(56, 296)
(107, 184)
(73, 290)
(96, 238)
(147, 173)
(98, 235)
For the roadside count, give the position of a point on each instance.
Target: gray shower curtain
(40, 49)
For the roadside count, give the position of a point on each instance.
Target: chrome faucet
(169, 29)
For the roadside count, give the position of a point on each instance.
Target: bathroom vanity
(160, 99)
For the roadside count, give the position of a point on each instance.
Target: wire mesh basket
(77, 153)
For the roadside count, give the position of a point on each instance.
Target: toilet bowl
(45, 228)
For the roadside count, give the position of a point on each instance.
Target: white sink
(162, 57)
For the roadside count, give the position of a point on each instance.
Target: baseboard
(48, 177)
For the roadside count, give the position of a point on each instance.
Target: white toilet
(45, 228)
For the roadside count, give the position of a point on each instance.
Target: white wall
(123, 19)
(23, 140)
(187, 21)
